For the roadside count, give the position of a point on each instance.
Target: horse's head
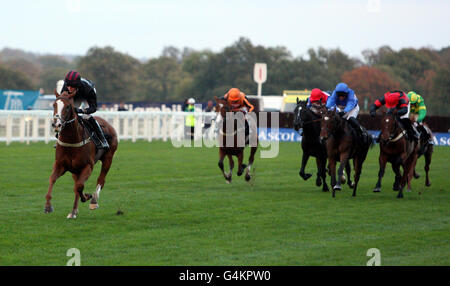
(63, 110)
(388, 127)
(330, 121)
(222, 106)
(299, 114)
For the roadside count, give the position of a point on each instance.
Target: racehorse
(311, 145)
(230, 143)
(76, 153)
(426, 149)
(342, 144)
(397, 150)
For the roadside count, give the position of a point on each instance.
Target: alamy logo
(376, 257)
(76, 257)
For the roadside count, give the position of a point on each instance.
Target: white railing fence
(35, 125)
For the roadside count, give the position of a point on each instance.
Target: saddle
(92, 133)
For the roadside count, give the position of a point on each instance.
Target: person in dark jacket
(85, 94)
(397, 100)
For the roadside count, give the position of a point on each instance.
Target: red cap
(391, 99)
(316, 95)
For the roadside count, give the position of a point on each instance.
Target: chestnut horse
(342, 144)
(76, 153)
(230, 144)
(397, 150)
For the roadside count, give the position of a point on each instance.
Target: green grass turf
(178, 210)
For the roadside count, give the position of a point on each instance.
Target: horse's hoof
(71, 216)
(318, 182)
(337, 188)
(325, 189)
(343, 179)
(428, 184)
(48, 209)
(93, 206)
(247, 177)
(351, 184)
(399, 196)
(416, 175)
(306, 176)
(377, 190)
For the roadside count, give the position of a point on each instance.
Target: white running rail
(35, 125)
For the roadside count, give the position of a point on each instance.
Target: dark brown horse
(76, 153)
(232, 141)
(426, 149)
(397, 150)
(311, 145)
(342, 144)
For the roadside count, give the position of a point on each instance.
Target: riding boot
(99, 132)
(410, 129)
(355, 124)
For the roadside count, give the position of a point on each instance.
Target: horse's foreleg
(230, 174)
(342, 165)
(57, 172)
(240, 165)
(398, 176)
(348, 170)
(427, 164)
(411, 165)
(382, 162)
(221, 166)
(80, 179)
(357, 165)
(332, 172)
(321, 165)
(251, 158)
(302, 174)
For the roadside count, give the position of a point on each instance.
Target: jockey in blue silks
(344, 100)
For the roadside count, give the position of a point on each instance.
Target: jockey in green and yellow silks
(418, 110)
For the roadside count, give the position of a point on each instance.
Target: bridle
(64, 122)
(391, 138)
(331, 132)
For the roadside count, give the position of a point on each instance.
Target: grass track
(179, 211)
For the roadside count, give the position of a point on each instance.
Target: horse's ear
(56, 93)
(298, 101)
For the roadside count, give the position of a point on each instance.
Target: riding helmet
(234, 94)
(73, 78)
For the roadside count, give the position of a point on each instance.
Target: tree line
(181, 73)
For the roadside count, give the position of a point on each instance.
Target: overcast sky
(143, 28)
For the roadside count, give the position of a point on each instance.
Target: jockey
(397, 100)
(317, 98)
(239, 102)
(85, 93)
(418, 111)
(345, 102)
(417, 107)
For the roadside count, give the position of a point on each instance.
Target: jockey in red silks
(397, 100)
(317, 98)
